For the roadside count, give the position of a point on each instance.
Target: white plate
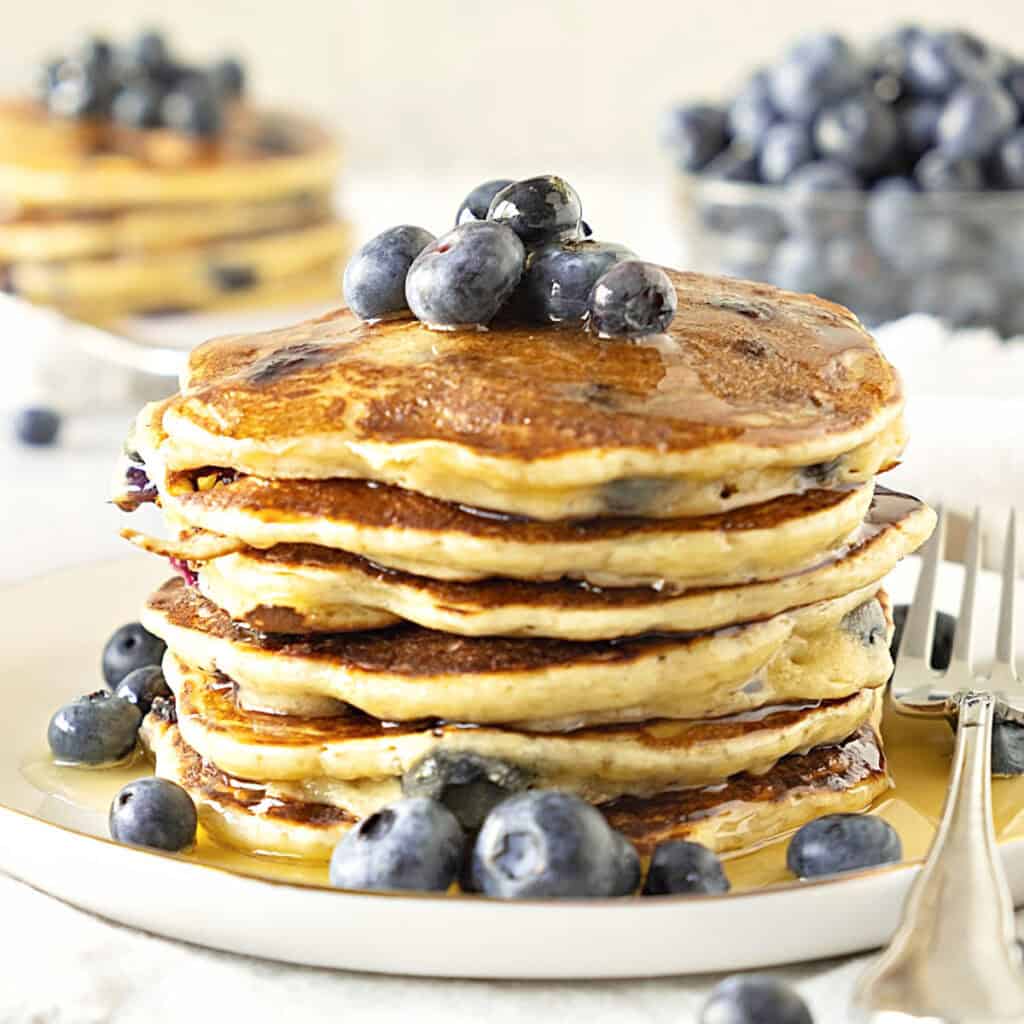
(54, 628)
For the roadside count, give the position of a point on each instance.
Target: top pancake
(754, 392)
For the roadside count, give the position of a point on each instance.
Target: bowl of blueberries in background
(889, 179)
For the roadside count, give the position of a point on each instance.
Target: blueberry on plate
(142, 686)
(131, 647)
(478, 202)
(752, 112)
(193, 107)
(628, 871)
(837, 843)
(465, 276)
(976, 117)
(546, 844)
(942, 643)
(414, 844)
(694, 132)
(632, 300)
(228, 77)
(1008, 164)
(540, 209)
(149, 51)
(754, 999)
(155, 813)
(785, 147)
(37, 426)
(860, 132)
(678, 866)
(139, 105)
(468, 784)
(817, 71)
(374, 281)
(560, 277)
(96, 729)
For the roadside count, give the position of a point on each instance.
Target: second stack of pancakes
(469, 562)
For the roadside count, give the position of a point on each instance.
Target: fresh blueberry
(629, 870)
(96, 50)
(737, 163)
(942, 644)
(754, 999)
(478, 202)
(631, 300)
(130, 647)
(1013, 82)
(919, 124)
(80, 89)
(976, 117)
(414, 844)
(866, 623)
(374, 282)
(561, 275)
(938, 172)
(937, 62)
(154, 813)
(752, 111)
(139, 105)
(817, 71)
(859, 132)
(539, 209)
(799, 265)
(838, 843)
(888, 53)
(678, 866)
(465, 276)
(142, 686)
(546, 844)
(149, 51)
(193, 108)
(1008, 163)
(962, 298)
(785, 147)
(824, 176)
(890, 209)
(37, 426)
(228, 76)
(96, 729)
(695, 133)
(821, 199)
(1007, 748)
(468, 784)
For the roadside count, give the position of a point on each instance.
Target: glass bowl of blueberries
(888, 178)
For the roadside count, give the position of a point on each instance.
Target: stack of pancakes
(102, 221)
(643, 571)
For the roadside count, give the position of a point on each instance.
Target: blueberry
(374, 281)
(478, 202)
(561, 275)
(859, 132)
(1008, 163)
(937, 62)
(464, 276)
(939, 172)
(631, 300)
(785, 147)
(754, 999)
(813, 208)
(817, 71)
(96, 50)
(838, 843)
(193, 108)
(228, 77)
(538, 209)
(80, 89)
(154, 813)
(412, 844)
(546, 844)
(149, 51)
(1007, 748)
(142, 686)
(737, 163)
(695, 133)
(96, 729)
(37, 426)
(799, 265)
(942, 644)
(976, 117)
(468, 784)
(824, 176)
(888, 53)
(678, 866)
(1013, 82)
(963, 298)
(752, 111)
(139, 105)
(628, 871)
(130, 647)
(919, 125)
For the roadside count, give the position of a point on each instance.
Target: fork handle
(953, 957)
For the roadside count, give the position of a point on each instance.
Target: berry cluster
(141, 86)
(519, 248)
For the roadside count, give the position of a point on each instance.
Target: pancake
(820, 651)
(598, 763)
(748, 809)
(187, 276)
(753, 393)
(47, 163)
(309, 589)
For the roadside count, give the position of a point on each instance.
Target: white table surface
(59, 965)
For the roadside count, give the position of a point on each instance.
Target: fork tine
(1005, 642)
(919, 631)
(963, 637)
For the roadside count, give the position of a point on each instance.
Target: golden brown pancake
(753, 393)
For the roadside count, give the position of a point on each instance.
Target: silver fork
(953, 957)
